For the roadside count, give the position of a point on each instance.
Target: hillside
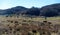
(48, 10)
(51, 10)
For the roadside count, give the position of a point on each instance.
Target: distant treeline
(48, 11)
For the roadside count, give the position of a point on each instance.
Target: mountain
(48, 11)
(51, 10)
(2, 12)
(14, 10)
(33, 11)
(21, 10)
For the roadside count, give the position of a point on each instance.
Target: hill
(51, 10)
(48, 11)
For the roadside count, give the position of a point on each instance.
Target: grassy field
(6, 22)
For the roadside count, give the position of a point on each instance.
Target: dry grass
(23, 24)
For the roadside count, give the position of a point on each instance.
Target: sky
(5, 4)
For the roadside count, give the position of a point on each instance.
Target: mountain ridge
(48, 10)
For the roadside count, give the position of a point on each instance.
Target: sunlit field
(13, 25)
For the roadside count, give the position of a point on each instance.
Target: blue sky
(5, 4)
